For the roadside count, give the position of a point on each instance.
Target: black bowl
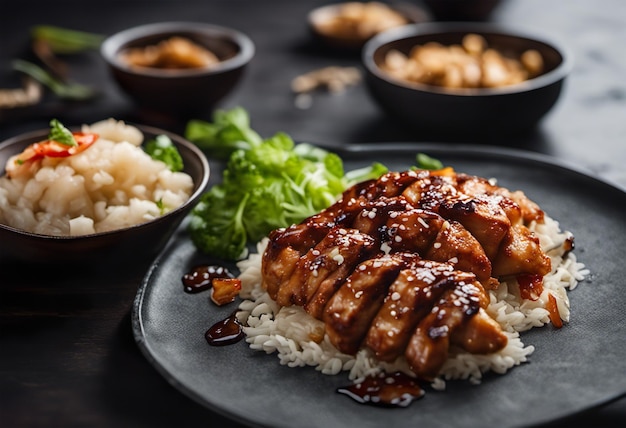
(435, 109)
(133, 244)
(184, 91)
(353, 41)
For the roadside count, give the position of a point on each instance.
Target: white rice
(295, 336)
(111, 185)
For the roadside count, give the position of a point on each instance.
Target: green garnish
(61, 134)
(69, 91)
(65, 41)
(161, 206)
(267, 184)
(426, 162)
(161, 148)
(229, 131)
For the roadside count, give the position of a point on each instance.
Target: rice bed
(298, 339)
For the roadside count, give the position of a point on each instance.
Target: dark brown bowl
(317, 17)
(128, 245)
(185, 91)
(434, 109)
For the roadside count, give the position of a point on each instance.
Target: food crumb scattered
(304, 101)
(334, 79)
(28, 95)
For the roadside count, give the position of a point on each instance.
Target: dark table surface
(68, 356)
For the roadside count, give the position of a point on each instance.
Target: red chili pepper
(530, 286)
(54, 149)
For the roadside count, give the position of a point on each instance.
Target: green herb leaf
(161, 148)
(61, 134)
(161, 206)
(374, 171)
(266, 184)
(229, 131)
(426, 162)
(216, 225)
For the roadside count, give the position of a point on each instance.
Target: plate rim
(474, 150)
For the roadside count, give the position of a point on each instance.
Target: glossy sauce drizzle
(200, 277)
(530, 286)
(225, 332)
(384, 389)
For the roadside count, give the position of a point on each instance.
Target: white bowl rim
(436, 28)
(110, 47)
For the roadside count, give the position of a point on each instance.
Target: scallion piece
(69, 91)
(65, 41)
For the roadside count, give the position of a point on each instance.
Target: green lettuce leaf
(267, 184)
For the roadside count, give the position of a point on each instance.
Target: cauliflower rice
(294, 335)
(111, 185)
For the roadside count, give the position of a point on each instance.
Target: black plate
(578, 367)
